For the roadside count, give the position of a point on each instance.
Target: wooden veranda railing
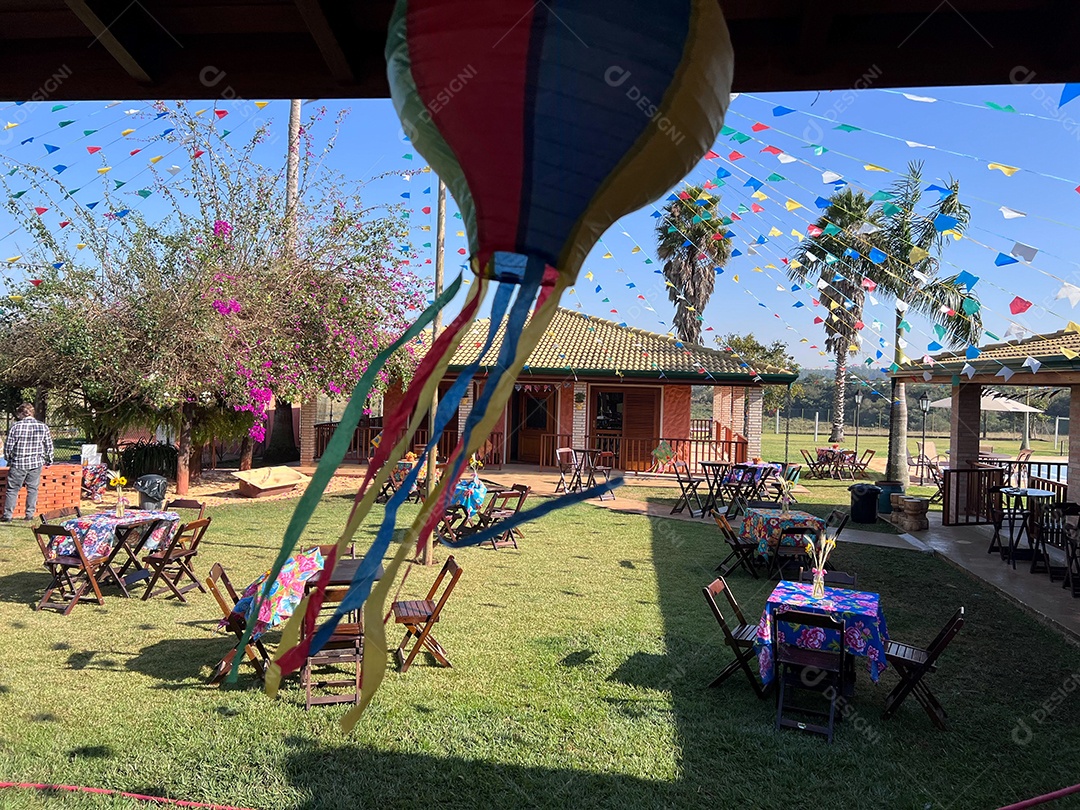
(966, 494)
(636, 454)
(1038, 505)
(360, 446)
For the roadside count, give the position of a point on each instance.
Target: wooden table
(1026, 523)
(345, 569)
(715, 471)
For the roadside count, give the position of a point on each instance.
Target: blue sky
(1038, 138)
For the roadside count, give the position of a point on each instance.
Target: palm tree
(912, 244)
(689, 242)
(840, 289)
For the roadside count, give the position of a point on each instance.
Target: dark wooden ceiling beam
(327, 40)
(102, 31)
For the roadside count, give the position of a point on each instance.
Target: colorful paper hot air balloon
(548, 122)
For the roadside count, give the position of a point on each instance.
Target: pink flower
(854, 639)
(222, 228)
(812, 638)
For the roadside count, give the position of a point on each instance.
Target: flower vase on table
(818, 551)
(118, 481)
(818, 591)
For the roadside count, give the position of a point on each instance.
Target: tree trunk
(41, 410)
(897, 468)
(195, 463)
(839, 390)
(282, 446)
(184, 451)
(247, 448)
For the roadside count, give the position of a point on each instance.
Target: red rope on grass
(1046, 797)
(105, 791)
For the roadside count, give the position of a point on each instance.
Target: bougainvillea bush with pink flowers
(219, 305)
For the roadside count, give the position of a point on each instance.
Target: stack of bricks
(61, 488)
(909, 514)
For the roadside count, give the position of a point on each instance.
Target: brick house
(594, 383)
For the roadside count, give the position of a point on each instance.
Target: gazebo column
(1074, 446)
(309, 415)
(752, 425)
(581, 414)
(721, 406)
(964, 425)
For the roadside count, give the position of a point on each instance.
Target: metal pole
(436, 324)
(777, 431)
(787, 426)
(922, 455)
(856, 429)
(815, 426)
(1057, 421)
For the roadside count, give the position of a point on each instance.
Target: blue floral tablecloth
(97, 532)
(759, 471)
(865, 632)
(766, 526)
(469, 493)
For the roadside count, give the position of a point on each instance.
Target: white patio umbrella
(987, 403)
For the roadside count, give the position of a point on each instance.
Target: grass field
(580, 666)
(772, 445)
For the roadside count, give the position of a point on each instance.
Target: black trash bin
(864, 503)
(151, 489)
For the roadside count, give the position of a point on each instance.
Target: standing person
(29, 448)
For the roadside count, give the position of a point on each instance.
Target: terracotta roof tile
(590, 346)
(1045, 348)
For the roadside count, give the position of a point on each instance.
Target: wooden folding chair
(345, 647)
(781, 555)
(254, 649)
(835, 523)
(742, 551)
(502, 507)
(604, 465)
(1072, 560)
(833, 579)
(71, 575)
(54, 516)
(568, 466)
(187, 503)
(815, 467)
(172, 563)
(814, 670)
(912, 664)
(863, 464)
(420, 615)
(688, 486)
(740, 639)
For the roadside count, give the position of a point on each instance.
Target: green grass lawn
(772, 444)
(580, 667)
(824, 495)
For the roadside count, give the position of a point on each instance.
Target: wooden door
(536, 418)
(627, 422)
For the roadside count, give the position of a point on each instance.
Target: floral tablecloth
(759, 471)
(865, 632)
(97, 532)
(766, 526)
(469, 493)
(94, 479)
(285, 595)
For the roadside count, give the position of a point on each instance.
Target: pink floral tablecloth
(865, 634)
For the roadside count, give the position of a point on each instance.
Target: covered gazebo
(1041, 360)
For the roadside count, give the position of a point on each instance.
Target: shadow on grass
(24, 587)
(173, 663)
(352, 775)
